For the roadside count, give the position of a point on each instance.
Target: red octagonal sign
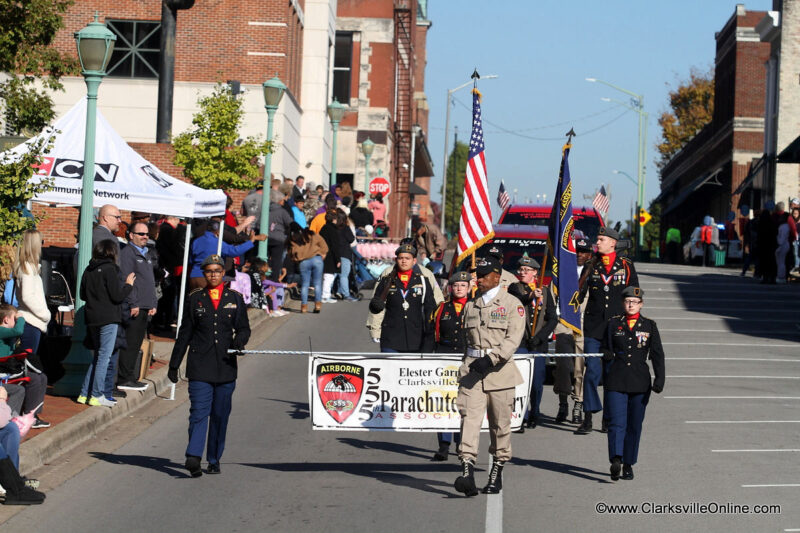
(379, 184)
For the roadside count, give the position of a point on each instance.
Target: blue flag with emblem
(561, 246)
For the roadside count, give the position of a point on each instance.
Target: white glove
(376, 340)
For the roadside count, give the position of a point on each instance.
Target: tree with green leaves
(210, 151)
(456, 174)
(17, 187)
(691, 109)
(27, 31)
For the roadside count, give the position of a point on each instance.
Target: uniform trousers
(472, 404)
(537, 385)
(625, 411)
(209, 401)
(591, 379)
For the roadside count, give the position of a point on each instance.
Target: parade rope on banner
(351, 391)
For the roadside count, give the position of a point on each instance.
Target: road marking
(735, 377)
(758, 451)
(743, 421)
(494, 513)
(758, 345)
(732, 359)
(775, 485)
(732, 397)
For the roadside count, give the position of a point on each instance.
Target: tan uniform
(497, 326)
(374, 321)
(507, 278)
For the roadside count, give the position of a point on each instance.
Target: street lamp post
(95, 45)
(637, 104)
(367, 147)
(450, 93)
(335, 114)
(273, 92)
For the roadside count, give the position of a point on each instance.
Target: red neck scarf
(458, 303)
(631, 320)
(404, 276)
(608, 260)
(215, 293)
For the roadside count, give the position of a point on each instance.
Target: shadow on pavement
(393, 447)
(393, 474)
(299, 409)
(159, 464)
(562, 468)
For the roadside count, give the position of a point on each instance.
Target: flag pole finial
(570, 134)
(475, 74)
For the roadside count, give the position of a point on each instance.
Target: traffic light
(644, 217)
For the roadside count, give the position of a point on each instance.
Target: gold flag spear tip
(475, 74)
(570, 134)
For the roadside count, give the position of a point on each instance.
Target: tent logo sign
(149, 171)
(73, 169)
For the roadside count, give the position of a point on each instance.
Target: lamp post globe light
(335, 114)
(95, 45)
(273, 92)
(367, 147)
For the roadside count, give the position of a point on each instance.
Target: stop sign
(379, 184)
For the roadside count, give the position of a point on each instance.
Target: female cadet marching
(451, 337)
(630, 340)
(538, 302)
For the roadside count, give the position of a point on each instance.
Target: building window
(342, 65)
(136, 49)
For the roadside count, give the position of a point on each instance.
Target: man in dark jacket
(170, 248)
(140, 260)
(279, 221)
(408, 300)
(214, 320)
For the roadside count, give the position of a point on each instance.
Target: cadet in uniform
(451, 337)
(609, 274)
(537, 336)
(214, 320)
(407, 299)
(630, 340)
(495, 322)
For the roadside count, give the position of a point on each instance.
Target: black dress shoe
(586, 427)
(442, 453)
(627, 472)
(193, 466)
(616, 466)
(213, 468)
(533, 421)
(604, 426)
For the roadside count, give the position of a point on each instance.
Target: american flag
(502, 197)
(600, 201)
(475, 227)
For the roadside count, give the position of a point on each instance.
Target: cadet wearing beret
(630, 340)
(506, 277)
(537, 335)
(451, 337)
(214, 320)
(406, 297)
(609, 274)
(495, 322)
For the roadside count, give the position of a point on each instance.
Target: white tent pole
(185, 273)
(219, 242)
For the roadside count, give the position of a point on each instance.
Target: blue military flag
(561, 246)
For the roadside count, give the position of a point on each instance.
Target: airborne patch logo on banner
(340, 386)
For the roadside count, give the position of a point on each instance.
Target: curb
(43, 449)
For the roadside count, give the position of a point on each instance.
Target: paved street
(726, 431)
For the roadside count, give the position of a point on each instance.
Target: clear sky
(542, 51)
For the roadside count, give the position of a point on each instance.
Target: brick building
(703, 178)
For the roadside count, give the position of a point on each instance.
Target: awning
(423, 163)
(710, 178)
(757, 168)
(415, 189)
(790, 154)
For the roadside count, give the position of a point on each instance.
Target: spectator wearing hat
(540, 321)
(607, 276)
(450, 337)
(308, 250)
(205, 245)
(630, 340)
(406, 296)
(214, 321)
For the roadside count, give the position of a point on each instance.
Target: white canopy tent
(122, 176)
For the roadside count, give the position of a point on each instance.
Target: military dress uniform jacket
(536, 337)
(604, 293)
(407, 329)
(448, 328)
(630, 349)
(498, 325)
(209, 333)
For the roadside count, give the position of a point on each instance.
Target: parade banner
(398, 393)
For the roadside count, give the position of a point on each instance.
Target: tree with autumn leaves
(691, 108)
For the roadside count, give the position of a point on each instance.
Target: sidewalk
(73, 423)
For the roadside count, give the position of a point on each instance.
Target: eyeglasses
(631, 301)
(526, 270)
(118, 217)
(213, 272)
(140, 233)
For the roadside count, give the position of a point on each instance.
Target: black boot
(563, 409)
(443, 452)
(193, 466)
(616, 466)
(577, 413)
(627, 472)
(495, 483)
(604, 425)
(16, 491)
(586, 427)
(466, 481)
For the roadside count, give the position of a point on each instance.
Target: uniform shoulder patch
(521, 310)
